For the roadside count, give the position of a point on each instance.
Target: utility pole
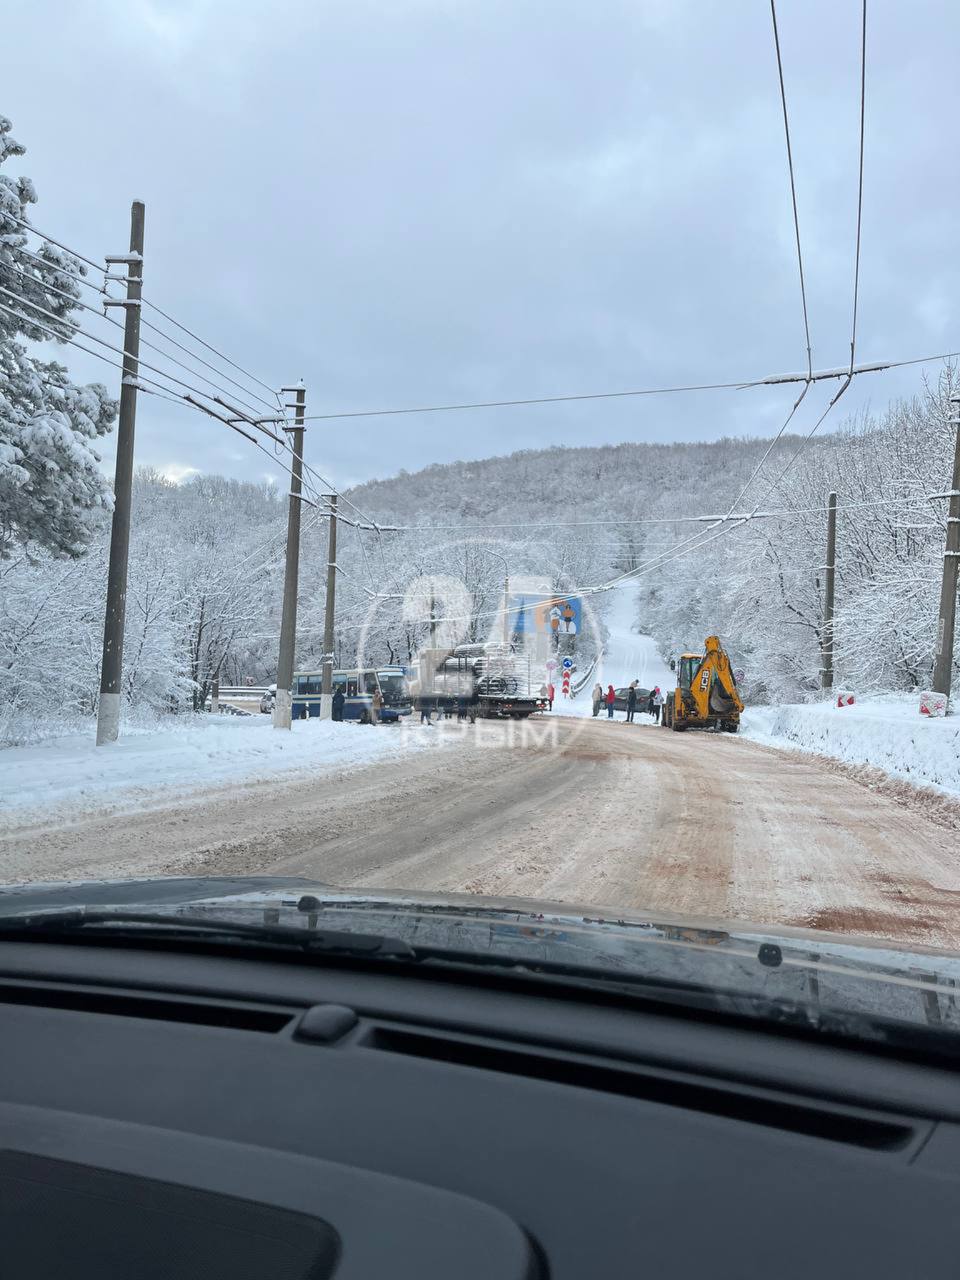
(943, 656)
(826, 643)
(283, 702)
(111, 666)
(326, 686)
(433, 620)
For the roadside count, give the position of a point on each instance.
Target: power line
(43, 236)
(76, 302)
(96, 267)
(501, 404)
(193, 356)
(863, 98)
(110, 347)
(657, 520)
(856, 283)
(246, 373)
(793, 187)
(742, 384)
(803, 288)
(64, 293)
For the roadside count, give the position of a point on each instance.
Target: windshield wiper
(373, 946)
(343, 942)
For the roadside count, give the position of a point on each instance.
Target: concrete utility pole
(111, 667)
(943, 655)
(826, 644)
(283, 702)
(326, 687)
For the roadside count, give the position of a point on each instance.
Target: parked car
(621, 699)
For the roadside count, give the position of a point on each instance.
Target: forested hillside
(206, 564)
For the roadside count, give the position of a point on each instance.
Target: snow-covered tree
(52, 492)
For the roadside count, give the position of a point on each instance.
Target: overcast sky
(410, 202)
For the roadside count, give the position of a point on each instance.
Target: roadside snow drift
(188, 754)
(888, 733)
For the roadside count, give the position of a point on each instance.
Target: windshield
(591, 458)
(392, 685)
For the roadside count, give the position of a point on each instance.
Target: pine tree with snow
(52, 492)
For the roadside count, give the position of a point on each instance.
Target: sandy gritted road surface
(615, 815)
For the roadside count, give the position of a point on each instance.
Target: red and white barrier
(845, 698)
(933, 704)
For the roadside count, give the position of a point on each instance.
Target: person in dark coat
(631, 702)
(338, 703)
(651, 703)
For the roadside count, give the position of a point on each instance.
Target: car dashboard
(201, 1112)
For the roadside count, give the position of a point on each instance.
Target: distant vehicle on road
(489, 681)
(359, 686)
(620, 699)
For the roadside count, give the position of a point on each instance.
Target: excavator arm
(716, 688)
(706, 693)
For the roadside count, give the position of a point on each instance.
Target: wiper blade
(335, 941)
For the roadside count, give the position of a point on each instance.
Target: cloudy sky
(410, 202)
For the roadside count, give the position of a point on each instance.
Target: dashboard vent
(238, 1017)
(833, 1123)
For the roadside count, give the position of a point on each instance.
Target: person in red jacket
(610, 698)
(550, 693)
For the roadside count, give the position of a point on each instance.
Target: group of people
(339, 698)
(651, 704)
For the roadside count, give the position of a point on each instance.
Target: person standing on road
(610, 698)
(597, 698)
(658, 701)
(425, 710)
(650, 704)
(631, 701)
(338, 703)
(376, 706)
(544, 693)
(550, 692)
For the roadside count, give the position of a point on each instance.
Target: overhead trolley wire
(29, 226)
(793, 186)
(863, 100)
(247, 374)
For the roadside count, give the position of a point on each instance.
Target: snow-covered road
(607, 814)
(72, 776)
(627, 655)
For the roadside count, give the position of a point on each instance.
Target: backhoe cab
(706, 695)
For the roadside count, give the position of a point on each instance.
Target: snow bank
(887, 733)
(187, 754)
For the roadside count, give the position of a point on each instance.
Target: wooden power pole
(826, 643)
(111, 667)
(946, 622)
(283, 702)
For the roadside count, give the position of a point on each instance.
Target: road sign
(567, 664)
(551, 664)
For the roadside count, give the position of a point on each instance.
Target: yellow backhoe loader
(706, 695)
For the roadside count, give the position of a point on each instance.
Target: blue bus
(359, 686)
